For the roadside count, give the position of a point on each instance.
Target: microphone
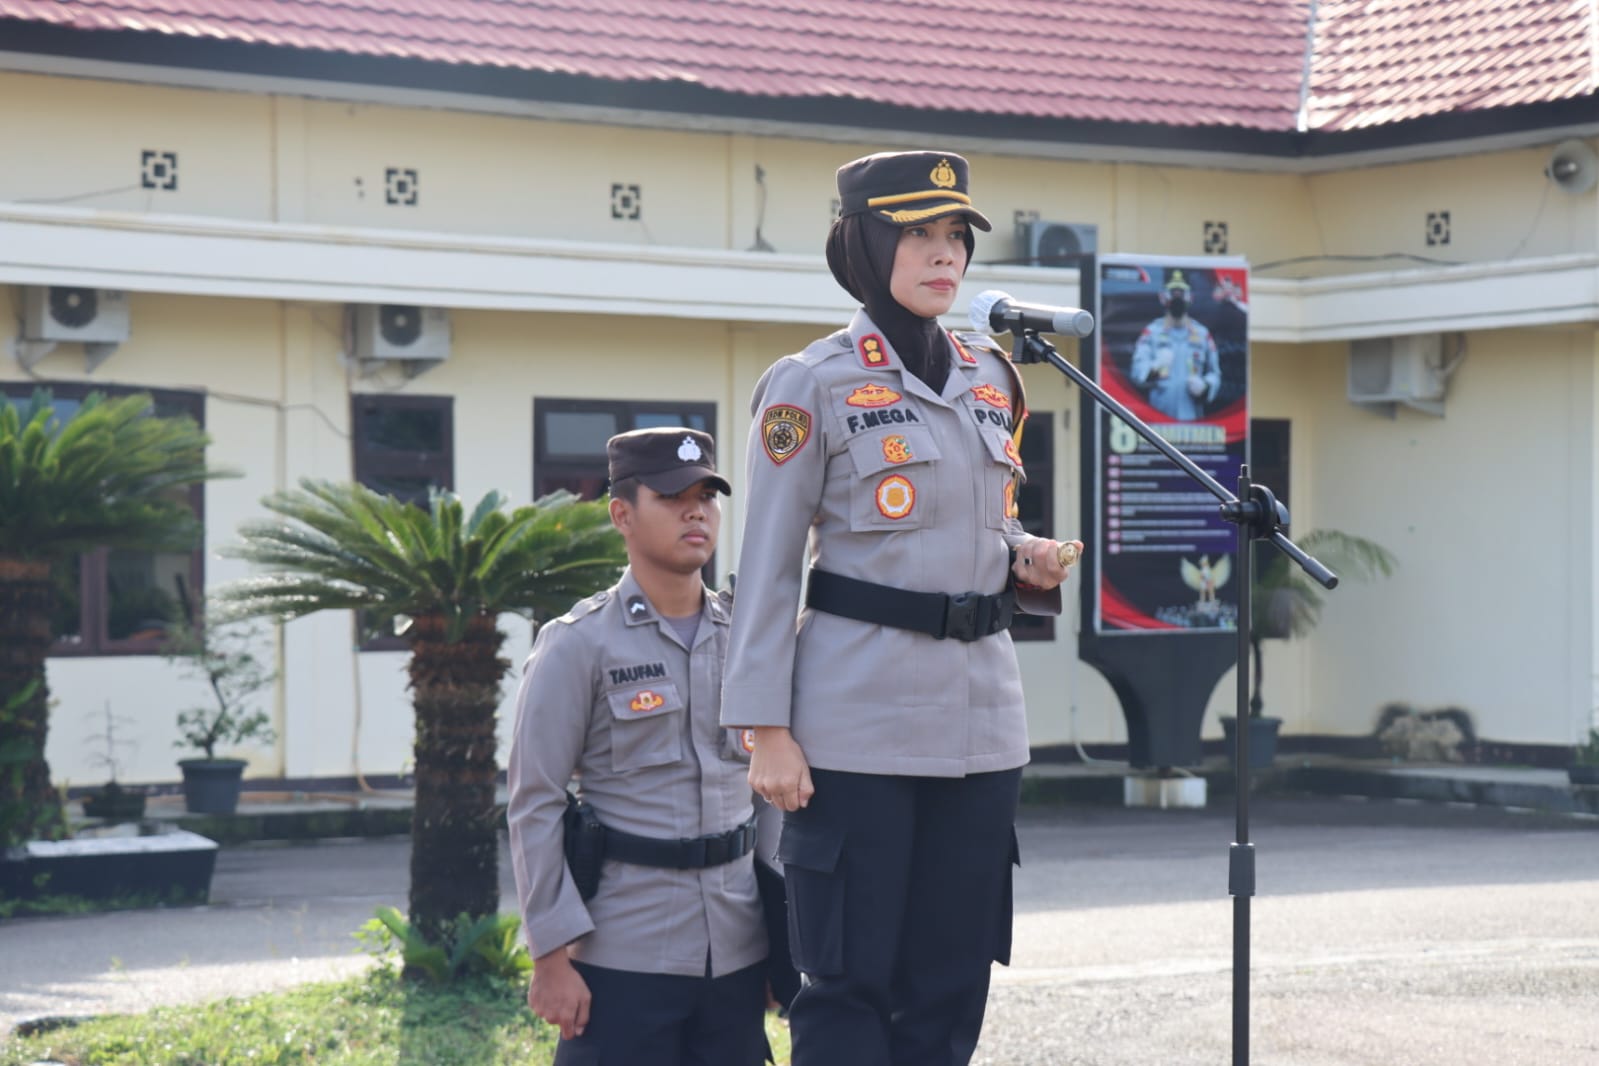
(995, 311)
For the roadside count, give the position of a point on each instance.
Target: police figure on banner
(887, 709)
(665, 963)
(1175, 357)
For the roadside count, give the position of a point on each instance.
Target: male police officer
(1175, 358)
(664, 964)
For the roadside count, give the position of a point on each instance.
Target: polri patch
(873, 355)
(896, 449)
(784, 431)
(992, 396)
(873, 395)
(645, 702)
(896, 497)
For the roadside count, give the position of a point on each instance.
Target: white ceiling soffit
(41, 245)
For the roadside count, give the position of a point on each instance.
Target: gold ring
(1069, 553)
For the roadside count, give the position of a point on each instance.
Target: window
(1036, 503)
(1268, 457)
(120, 602)
(569, 437)
(401, 446)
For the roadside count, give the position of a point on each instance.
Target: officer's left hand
(1038, 562)
(1196, 385)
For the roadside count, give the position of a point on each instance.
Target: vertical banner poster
(1174, 350)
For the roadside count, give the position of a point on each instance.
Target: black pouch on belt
(585, 845)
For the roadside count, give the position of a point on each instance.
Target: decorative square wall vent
(158, 170)
(400, 186)
(1215, 238)
(627, 201)
(1437, 228)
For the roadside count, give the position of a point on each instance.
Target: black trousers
(670, 1020)
(899, 892)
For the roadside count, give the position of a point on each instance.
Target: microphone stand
(1257, 515)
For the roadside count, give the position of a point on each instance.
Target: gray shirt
(856, 466)
(612, 695)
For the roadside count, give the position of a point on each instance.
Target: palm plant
(1285, 603)
(344, 547)
(111, 475)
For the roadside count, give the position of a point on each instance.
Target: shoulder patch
(874, 354)
(962, 351)
(784, 430)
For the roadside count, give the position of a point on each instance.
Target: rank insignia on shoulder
(637, 607)
(873, 395)
(784, 431)
(960, 349)
(992, 396)
(873, 355)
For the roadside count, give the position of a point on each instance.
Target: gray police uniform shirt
(611, 695)
(856, 466)
(1166, 356)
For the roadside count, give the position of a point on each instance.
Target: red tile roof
(1400, 59)
(1193, 63)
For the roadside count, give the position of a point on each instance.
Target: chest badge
(784, 431)
(992, 396)
(873, 396)
(896, 497)
(873, 355)
(896, 449)
(645, 702)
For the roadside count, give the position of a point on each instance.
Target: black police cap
(668, 459)
(908, 188)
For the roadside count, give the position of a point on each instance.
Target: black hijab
(860, 252)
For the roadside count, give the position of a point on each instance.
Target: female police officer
(889, 722)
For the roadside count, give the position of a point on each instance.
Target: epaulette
(974, 339)
(583, 608)
(826, 348)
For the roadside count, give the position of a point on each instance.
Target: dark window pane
(142, 593)
(588, 486)
(407, 489)
(578, 433)
(402, 429)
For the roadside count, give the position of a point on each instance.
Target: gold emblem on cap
(943, 175)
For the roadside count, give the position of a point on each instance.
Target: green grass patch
(379, 1019)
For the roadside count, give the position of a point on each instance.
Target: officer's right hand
(558, 994)
(779, 773)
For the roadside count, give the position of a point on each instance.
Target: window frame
(626, 411)
(365, 463)
(94, 597)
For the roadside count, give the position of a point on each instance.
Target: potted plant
(1285, 603)
(111, 802)
(1584, 768)
(220, 655)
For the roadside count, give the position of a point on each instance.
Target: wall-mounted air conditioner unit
(98, 319)
(1043, 243)
(417, 336)
(1411, 370)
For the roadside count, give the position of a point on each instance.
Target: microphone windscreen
(982, 306)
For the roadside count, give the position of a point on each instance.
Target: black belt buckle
(960, 616)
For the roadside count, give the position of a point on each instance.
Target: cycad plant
(344, 547)
(1285, 603)
(112, 475)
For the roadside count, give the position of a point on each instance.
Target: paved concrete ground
(1384, 933)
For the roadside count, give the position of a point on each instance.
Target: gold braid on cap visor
(925, 212)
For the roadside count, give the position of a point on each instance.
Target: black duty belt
(963, 616)
(687, 853)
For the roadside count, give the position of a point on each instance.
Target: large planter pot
(211, 786)
(1583, 775)
(1262, 740)
(171, 867)
(113, 803)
